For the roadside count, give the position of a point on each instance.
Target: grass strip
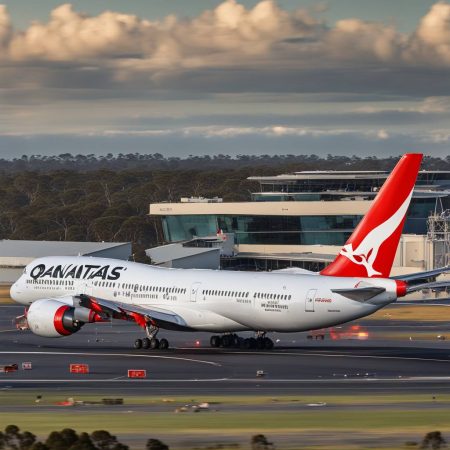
(231, 422)
(14, 398)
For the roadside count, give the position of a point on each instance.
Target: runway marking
(341, 355)
(127, 355)
(235, 380)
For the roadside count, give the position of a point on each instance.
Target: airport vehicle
(61, 294)
(8, 368)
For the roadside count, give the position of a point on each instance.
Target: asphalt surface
(296, 365)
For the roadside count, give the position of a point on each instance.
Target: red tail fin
(370, 250)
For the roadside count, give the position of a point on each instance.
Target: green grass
(229, 422)
(402, 416)
(50, 398)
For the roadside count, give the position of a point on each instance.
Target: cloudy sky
(235, 76)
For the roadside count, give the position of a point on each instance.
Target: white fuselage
(207, 300)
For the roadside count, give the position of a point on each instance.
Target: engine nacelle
(50, 318)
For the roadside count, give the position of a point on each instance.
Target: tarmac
(191, 367)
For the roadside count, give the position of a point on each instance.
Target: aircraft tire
(145, 343)
(154, 343)
(260, 343)
(268, 343)
(138, 344)
(227, 341)
(215, 341)
(163, 344)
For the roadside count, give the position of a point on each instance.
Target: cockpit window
(25, 271)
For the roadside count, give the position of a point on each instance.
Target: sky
(341, 77)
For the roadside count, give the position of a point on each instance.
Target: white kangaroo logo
(367, 250)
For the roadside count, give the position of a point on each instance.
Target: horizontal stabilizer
(440, 285)
(422, 277)
(360, 294)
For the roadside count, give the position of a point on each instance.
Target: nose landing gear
(151, 341)
(260, 342)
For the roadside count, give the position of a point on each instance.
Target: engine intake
(51, 318)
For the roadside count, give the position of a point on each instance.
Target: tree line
(68, 439)
(156, 161)
(87, 203)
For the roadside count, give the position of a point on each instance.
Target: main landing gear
(260, 342)
(151, 341)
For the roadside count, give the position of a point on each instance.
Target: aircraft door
(195, 288)
(309, 301)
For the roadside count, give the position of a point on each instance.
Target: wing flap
(157, 316)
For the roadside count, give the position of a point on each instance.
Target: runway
(191, 367)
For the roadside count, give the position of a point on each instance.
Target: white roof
(170, 252)
(37, 249)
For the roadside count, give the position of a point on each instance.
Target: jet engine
(51, 318)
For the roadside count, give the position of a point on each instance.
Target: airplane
(62, 294)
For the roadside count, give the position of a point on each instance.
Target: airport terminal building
(303, 219)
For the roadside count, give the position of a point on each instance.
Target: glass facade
(285, 230)
(358, 183)
(260, 230)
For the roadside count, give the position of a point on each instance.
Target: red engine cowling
(51, 318)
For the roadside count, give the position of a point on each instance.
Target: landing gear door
(309, 301)
(195, 288)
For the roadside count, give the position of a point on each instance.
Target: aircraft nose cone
(14, 292)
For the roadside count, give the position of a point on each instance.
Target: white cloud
(228, 34)
(382, 134)
(231, 48)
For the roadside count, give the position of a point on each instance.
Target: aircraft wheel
(260, 343)
(138, 344)
(163, 344)
(226, 341)
(154, 344)
(215, 341)
(145, 343)
(268, 343)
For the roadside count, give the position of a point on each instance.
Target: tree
(84, 443)
(61, 440)
(13, 439)
(433, 440)
(39, 446)
(156, 444)
(260, 442)
(103, 440)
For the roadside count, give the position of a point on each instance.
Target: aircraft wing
(422, 277)
(159, 317)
